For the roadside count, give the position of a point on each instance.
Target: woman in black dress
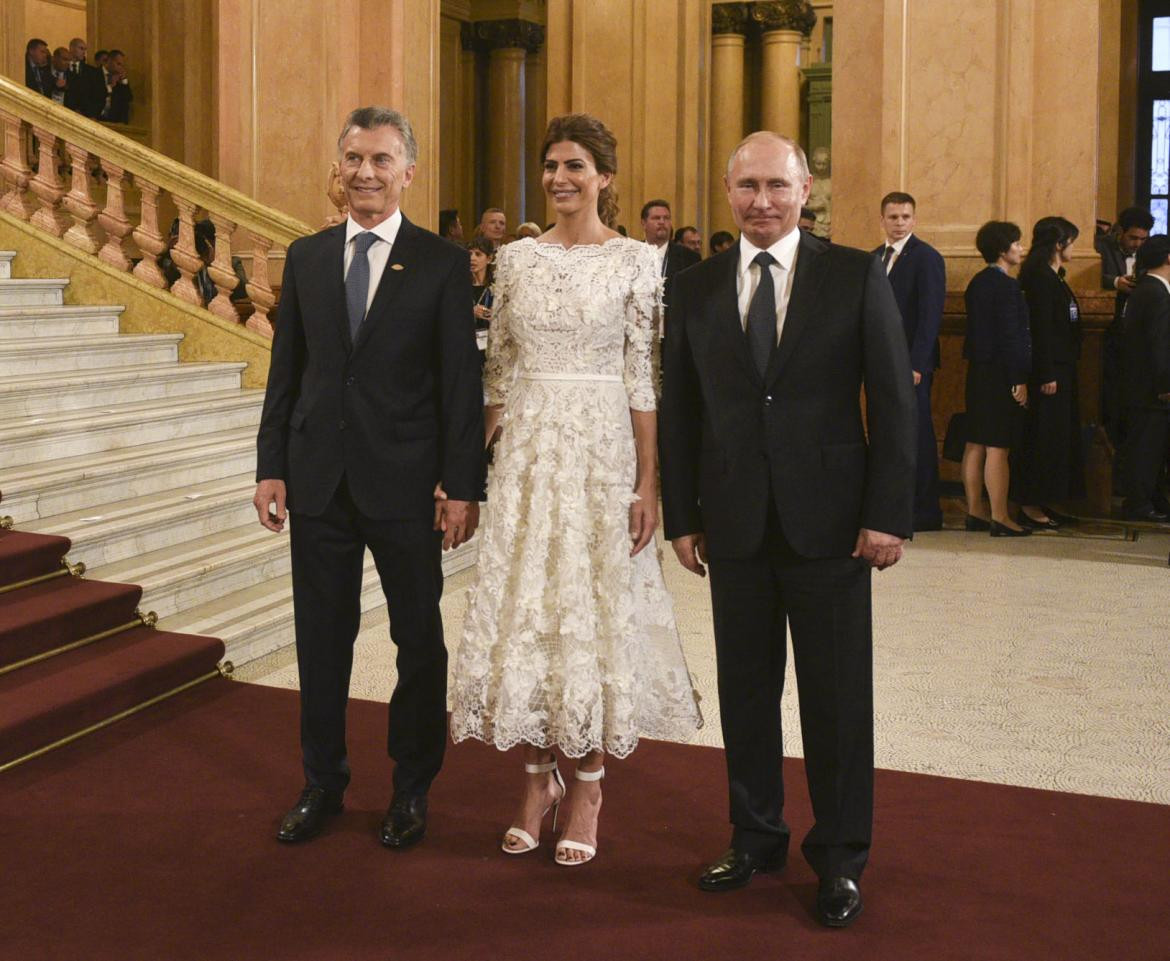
(1052, 469)
(998, 350)
(483, 253)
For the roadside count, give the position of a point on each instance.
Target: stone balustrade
(109, 196)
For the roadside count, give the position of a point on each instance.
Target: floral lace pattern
(569, 641)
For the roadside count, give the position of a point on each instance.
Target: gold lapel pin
(397, 267)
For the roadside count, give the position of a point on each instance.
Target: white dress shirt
(379, 252)
(748, 279)
(898, 246)
(660, 252)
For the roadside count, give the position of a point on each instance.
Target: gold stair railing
(90, 211)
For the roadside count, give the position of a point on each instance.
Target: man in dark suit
(374, 398)
(1119, 250)
(918, 276)
(768, 479)
(672, 258)
(1146, 361)
(85, 92)
(115, 89)
(38, 75)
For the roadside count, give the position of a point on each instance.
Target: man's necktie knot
(357, 281)
(763, 259)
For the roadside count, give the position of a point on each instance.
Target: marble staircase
(146, 464)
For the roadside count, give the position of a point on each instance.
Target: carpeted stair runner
(77, 654)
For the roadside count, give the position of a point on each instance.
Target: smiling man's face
(374, 172)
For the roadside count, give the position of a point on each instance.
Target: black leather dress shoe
(1034, 525)
(973, 523)
(838, 902)
(405, 822)
(1002, 530)
(735, 869)
(313, 808)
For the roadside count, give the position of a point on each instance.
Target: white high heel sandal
(531, 842)
(588, 850)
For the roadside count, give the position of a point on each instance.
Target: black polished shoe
(1029, 523)
(1002, 530)
(405, 822)
(735, 869)
(838, 902)
(313, 808)
(973, 523)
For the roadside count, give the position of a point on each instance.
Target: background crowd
(100, 91)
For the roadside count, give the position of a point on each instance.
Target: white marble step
(32, 355)
(72, 433)
(258, 620)
(182, 576)
(99, 389)
(6, 258)
(82, 483)
(18, 293)
(22, 322)
(149, 523)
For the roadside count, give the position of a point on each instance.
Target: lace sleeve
(641, 347)
(500, 367)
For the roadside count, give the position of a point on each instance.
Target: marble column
(467, 135)
(508, 43)
(535, 123)
(728, 28)
(785, 26)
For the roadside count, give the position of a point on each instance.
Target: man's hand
(643, 521)
(1048, 389)
(456, 519)
(691, 551)
(917, 378)
(269, 492)
(878, 549)
(1124, 284)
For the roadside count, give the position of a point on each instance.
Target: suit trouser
(926, 506)
(1144, 456)
(826, 604)
(328, 551)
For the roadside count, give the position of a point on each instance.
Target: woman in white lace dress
(569, 640)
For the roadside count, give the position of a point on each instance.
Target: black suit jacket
(1112, 267)
(86, 92)
(997, 324)
(395, 412)
(120, 99)
(678, 258)
(1146, 344)
(919, 280)
(39, 79)
(1056, 338)
(730, 440)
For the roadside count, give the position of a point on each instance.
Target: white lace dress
(569, 641)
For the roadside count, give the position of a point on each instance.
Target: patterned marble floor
(1042, 662)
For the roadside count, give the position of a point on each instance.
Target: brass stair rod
(141, 620)
(76, 570)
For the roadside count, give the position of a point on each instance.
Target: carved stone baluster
(15, 169)
(146, 235)
(113, 217)
(259, 289)
(80, 203)
(221, 270)
(185, 256)
(48, 187)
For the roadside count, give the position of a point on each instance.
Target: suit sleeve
(932, 293)
(680, 424)
(284, 377)
(461, 389)
(891, 411)
(1111, 269)
(1158, 334)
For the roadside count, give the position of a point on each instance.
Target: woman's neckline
(549, 243)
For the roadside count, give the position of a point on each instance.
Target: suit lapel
(725, 305)
(906, 252)
(332, 267)
(811, 264)
(400, 263)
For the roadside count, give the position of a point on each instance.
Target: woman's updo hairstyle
(594, 136)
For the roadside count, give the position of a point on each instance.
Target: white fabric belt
(607, 378)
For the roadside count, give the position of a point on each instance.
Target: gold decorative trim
(6, 522)
(8, 765)
(140, 620)
(75, 570)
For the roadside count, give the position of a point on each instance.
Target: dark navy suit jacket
(919, 279)
(997, 324)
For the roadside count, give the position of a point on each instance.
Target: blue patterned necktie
(357, 281)
(761, 315)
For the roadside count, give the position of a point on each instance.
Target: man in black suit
(1146, 361)
(672, 257)
(115, 89)
(374, 398)
(768, 479)
(38, 75)
(1119, 250)
(85, 92)
(918, 276)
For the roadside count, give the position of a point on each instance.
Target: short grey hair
(368, 118)
(797, 150)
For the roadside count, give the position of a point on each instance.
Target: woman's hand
(643, 519)
(1048, 389)
(1020, 394)
(482, 313)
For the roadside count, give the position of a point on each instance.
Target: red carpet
(153, 840)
